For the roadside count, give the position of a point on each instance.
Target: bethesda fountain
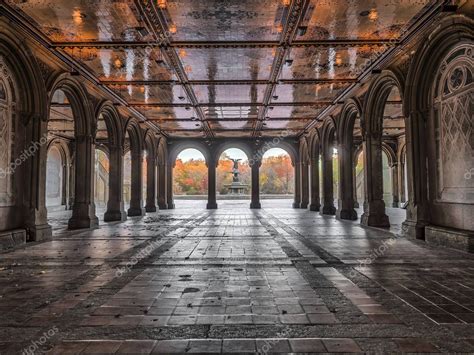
(237, 187)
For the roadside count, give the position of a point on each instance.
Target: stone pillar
(395, 186)
(255, 203)
(162, 187)
(72, 176)
(34, 177)
(374, 206)
(417, 209)
(115, 206)
(64, 184)
(211, 185)
(150, 183)
(169, 187)
(328, 207)
(297, 201)
(401, 182)
(136, 198)
(83, 211)
(304, 185)
(354, 180)
(314, 172)
(345, 208)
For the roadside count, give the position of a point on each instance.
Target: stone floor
(276, 280)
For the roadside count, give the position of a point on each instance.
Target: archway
(56, 178)
(277, 177)
(190, 178)
(383, 132)
(127, 178)
(101, 179)
(359, 179)
(233, 176)
(61, 134)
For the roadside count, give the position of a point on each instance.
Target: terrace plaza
(363, 244)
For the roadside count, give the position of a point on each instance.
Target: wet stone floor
(234, 280)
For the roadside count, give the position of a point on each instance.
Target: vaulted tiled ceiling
(224, 68)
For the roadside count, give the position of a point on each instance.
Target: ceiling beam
(156, 24)
(224, 44)
(229, 82)
(296, 12)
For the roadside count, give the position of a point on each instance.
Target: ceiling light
(338, 59)
(286, 2)
(275, 97)
(78, 17)
(142, 89)
(187, 108)
(181, 98)
(173, 29)
(162, 4)
(373, 15)
(182, 53)
(118, 63)
(289, 62)
(279, 28)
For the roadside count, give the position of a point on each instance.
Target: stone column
(64, 184)
(162, 187)
(211, 185)
(345, 208)
(72, 176)
(150, 183)
(354, 180)
(395, 186)
(297, 201)
(255, 203)
(374, 206)
(34, 177)
(314, 172)
(83, 211)
(169, 187)
(328, 207)
(304, 185)
(115, 206)
(136, 198)
(417, 209)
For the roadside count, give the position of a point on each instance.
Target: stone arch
(287, 147)
(29, 118)
(66, 158)
(81, 106)
(328, 141)
(180, 146)
(450, 33)
(314, 144)
(391, 155)
(222, 147)
(375, 100)
(372, 132)
(304, 150)
(351, 111)
(83, 212)
(134, 131)
(112, 120)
